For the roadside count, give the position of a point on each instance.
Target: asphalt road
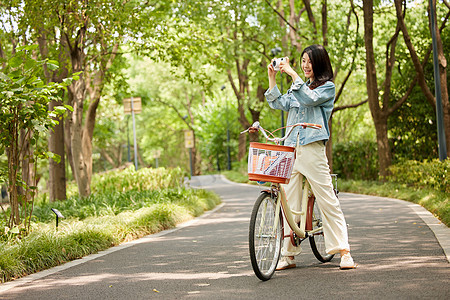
(399, 257)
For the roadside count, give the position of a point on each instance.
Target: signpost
(437, 90)
(133, 105)
(156, 155)
(189, 143)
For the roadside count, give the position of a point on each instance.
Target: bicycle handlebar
(256, 126)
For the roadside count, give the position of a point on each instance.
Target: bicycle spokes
(264, 239)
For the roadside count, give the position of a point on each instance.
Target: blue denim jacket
(305, 105)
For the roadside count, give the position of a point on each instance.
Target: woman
(311, 102)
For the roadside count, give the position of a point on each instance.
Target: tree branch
(338, 108)
(176, 111)
(417, 65)
(310, 14)
(446, 3)
(281, 16)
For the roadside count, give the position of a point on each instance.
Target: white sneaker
(285, 263)
(347, 262)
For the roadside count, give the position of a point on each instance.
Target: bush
(433, 174)
(355, 160)
(145, 179)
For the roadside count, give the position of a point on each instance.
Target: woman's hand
(272, 74)
(286, 68)
(270, 70)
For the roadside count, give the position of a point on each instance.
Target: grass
(114, 214)
(236, 176)
(437, 202)
(45, 247)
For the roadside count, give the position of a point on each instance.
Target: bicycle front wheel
(264, 239)
(317, 239)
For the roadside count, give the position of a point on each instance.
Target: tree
(88, 35)
(381, 101)
(25, 118)
(419, 68)
(343, 48)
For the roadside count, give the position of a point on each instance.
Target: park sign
(135, 106)
(189, 139)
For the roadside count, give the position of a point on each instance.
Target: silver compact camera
(276, 63)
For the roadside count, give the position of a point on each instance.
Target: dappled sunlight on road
(208, 258)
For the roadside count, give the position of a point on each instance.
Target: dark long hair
(321, 65)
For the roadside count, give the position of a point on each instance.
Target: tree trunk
(57, 170)
(380, 120)
(13, 166)
(68, 135)
(77, 89)
(384, 151)
(240, 94)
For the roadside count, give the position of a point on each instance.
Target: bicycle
(273, 163)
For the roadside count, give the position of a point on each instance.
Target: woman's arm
(317, 96)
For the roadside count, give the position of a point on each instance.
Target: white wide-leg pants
(311, 161)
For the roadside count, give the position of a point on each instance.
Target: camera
(276, 63)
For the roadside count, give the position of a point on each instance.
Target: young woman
(311, 102)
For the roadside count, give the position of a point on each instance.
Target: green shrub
(355, 160)
(142, 180)
(433, 174)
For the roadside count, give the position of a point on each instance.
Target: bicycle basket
(272, 163)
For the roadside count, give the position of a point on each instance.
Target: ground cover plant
(125, 205)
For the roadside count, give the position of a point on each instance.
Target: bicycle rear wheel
(317, 239)
(264, 240)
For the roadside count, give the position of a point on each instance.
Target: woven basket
(271, 163)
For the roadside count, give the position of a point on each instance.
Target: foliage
(434, 174)
(413, 126)
(215, 118)
(145, 179)
(24, 119)
(110, 136)
(47, 248)
(355, 160)
(413, 129)
(236, 176)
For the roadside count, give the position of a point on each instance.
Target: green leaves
(52, 65)
(15, 61)
(24, 117)
(4, 77)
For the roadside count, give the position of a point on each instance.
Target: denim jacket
(305, 105)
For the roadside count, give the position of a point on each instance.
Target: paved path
(399, 257)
